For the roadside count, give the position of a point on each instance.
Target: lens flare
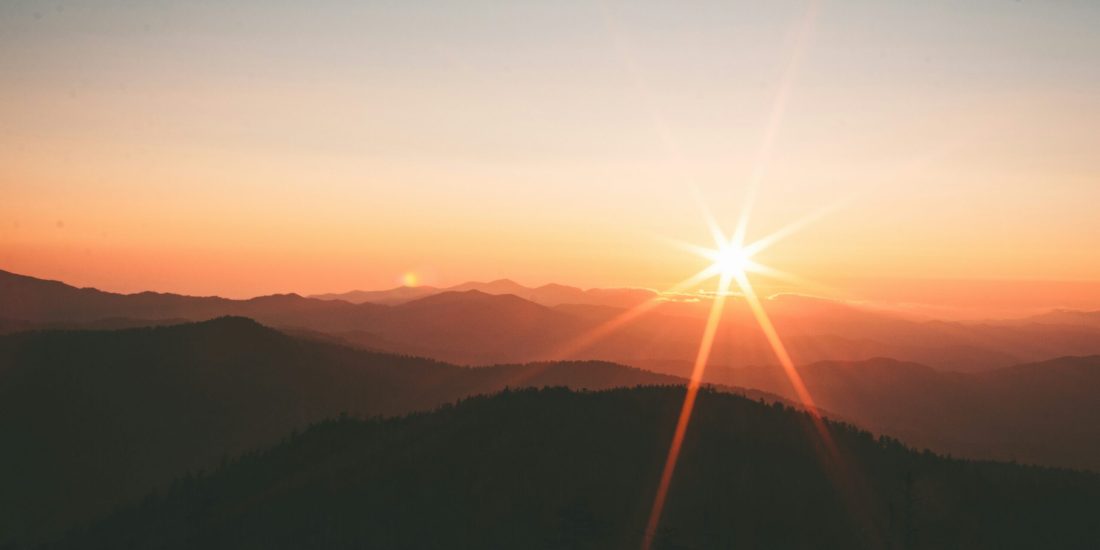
(697, 370)
(732, 261)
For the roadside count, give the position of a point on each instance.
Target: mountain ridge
(750, 475)
(550, 294)
(488, 331)
(1043, 412)
(125, 410)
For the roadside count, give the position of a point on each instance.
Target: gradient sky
(241, 148)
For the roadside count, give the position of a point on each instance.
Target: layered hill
(1042, 413)
(471, 326)
(548, 295)
(558, 469)
(95, 417)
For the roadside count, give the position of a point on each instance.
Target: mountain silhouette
(102, 416)
(553, 468)
(548, 295)
(393, 296)
(1065, 317)
(1045, 413)
(494, 328)
(40, 301)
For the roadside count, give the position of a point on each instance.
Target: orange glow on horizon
(201, 169)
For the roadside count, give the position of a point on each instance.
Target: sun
(731, 260)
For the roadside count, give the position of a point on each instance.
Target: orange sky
(243, 149)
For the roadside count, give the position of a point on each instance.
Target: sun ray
(775, 118)
(694, 383)
(780, 350)
(712, 224)
(852, 486)
(692, 247)
(731, 261)
(801, 282)
(731, 257)
(771, 239)
(604, 329)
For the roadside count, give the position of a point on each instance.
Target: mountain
(469, 327)
(548, 295)
(499, 286)
(1043, 413)
(393, 296)
(553, 468)
(101, 416)
(459, 326)
(109, 323)
(476, 327)
(1067, 317)
(815, 330)
(40, 301)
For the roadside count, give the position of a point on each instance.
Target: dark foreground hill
(92, 418)
(558, 469)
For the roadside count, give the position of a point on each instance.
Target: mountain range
(470, 326)
(99, 417)
(552, 468)
(103, 416)
(110, 396)
(549, 295)
(1038, 413)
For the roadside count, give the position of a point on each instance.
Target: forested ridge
(554, 468)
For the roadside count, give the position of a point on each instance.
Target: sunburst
(732, 261)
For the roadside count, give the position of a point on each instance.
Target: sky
(243, 148)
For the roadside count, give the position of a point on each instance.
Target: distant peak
(469, 296)
(284, 295)
(230, 321)
(556, 286)
(499, 286)
(469, 292)
(873, 363)
(455, 295)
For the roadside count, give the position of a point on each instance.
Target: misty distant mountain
(393, 296)
(548, 295)
(476, 327)
(40, 301)
(1043, 413)
(97, 417)
(464, 326)
(556, 469)
(1066, 317)
(815, 329)
(178, 397)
